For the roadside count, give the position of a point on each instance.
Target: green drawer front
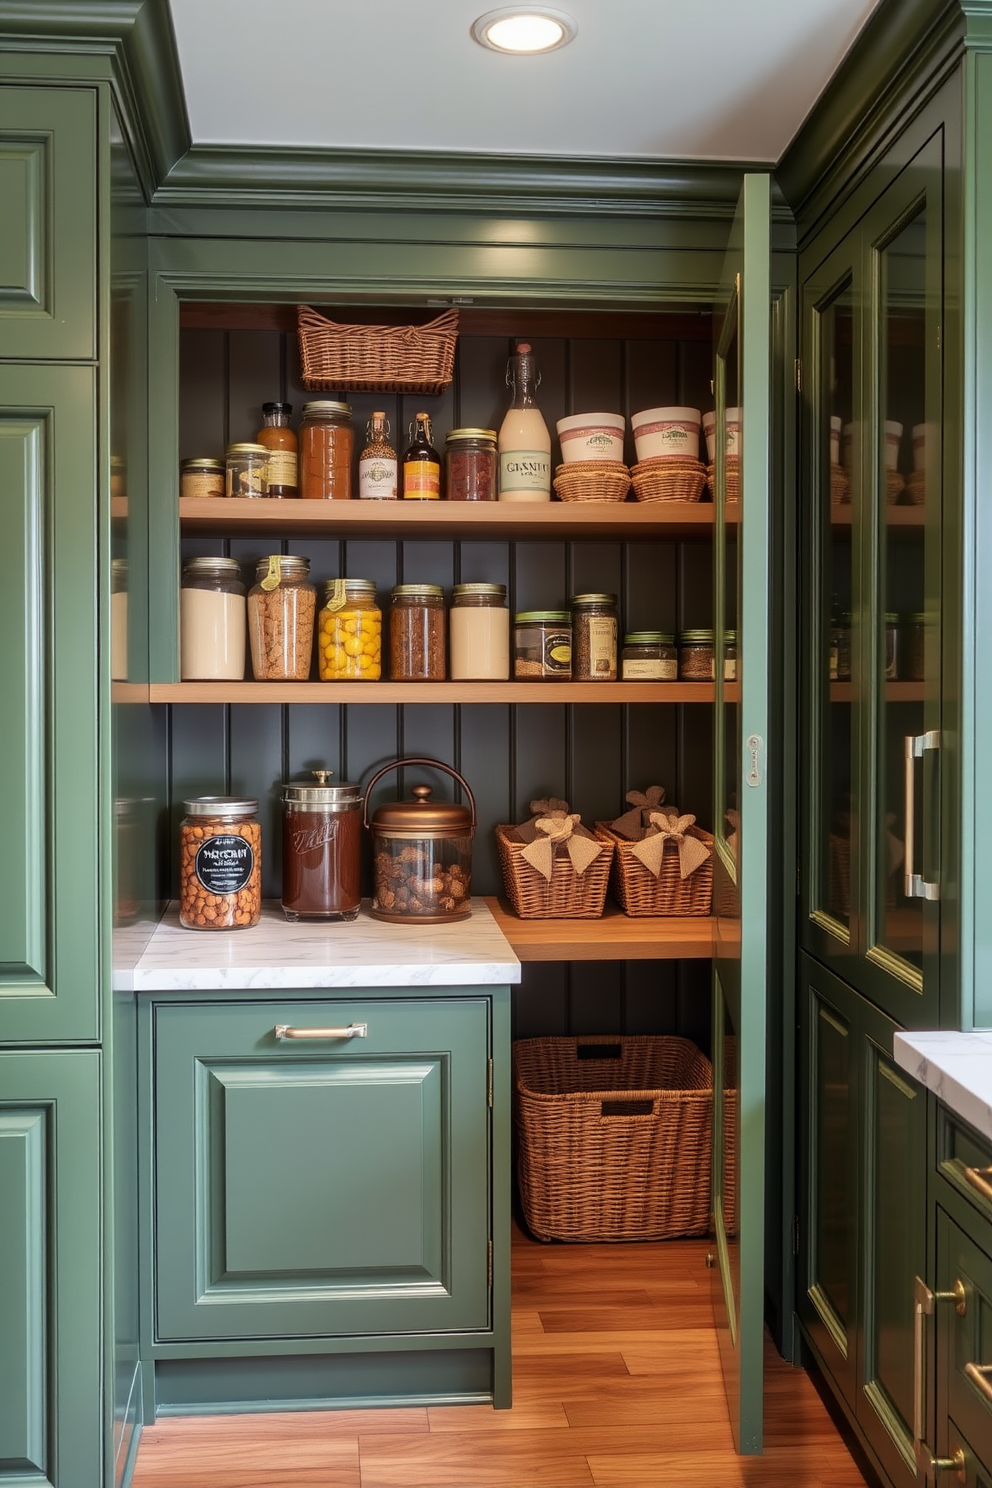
(331, 1187)
(965, 1161)
(964, 1342)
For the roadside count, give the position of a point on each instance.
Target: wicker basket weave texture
(663, 479)
(587, 1174)
(569, 896)
(375, 358)
(638, 892)
(592, 480)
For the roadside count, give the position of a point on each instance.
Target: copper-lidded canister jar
(321, 848)
(421, 852)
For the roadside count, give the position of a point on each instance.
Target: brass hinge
(799, 375)
(489, 1083)
(490, 1269)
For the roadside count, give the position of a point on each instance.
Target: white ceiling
(657, 79)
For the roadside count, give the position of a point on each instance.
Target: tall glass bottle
(421, 463)
(524, 440)
(377, 464)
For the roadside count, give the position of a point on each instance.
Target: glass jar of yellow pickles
(349, 638)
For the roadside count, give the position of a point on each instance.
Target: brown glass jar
(417, 649)
(220, 863)
(470, 462)
(321, 849)
(421, 853)
(280, 441)
(326, 440)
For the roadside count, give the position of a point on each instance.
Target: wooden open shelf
(614, 937)
(561, 521)
(436, 692)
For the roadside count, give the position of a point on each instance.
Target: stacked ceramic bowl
(668, 465)
(592, 467)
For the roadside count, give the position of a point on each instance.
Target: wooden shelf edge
(432, 692)
(615, 937)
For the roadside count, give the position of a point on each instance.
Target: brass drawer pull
(981, 1377)
(979, 1178)
(924, 1301)
(354, 1030)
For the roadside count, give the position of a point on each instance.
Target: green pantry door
(740, 882)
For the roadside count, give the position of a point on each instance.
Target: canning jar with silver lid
(321, 848)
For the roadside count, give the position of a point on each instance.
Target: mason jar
(479, 633)
(470, 464)
(321, 848)
(649, 656)
(696, 656)
(200, 478)
(349, 633)
(594, 638)
(281, 608)
(417, 641)
(247, 470)
(212, 621)
(220, 863)
(542, 646)
(326, 443)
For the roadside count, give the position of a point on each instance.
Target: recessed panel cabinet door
(48, 223)
(321, 1186)
(49, 756)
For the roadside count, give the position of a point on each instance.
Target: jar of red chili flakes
(470, 465)
(220, 869)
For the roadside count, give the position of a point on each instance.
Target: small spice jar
(421, 853)
(212, 620)
(891, 669)
(912, 647)
(840, 649)
(349, 638)
(280, 441)
(417, 633)
(470, 465)
(542, 646)
(247, 467)
(594, 637)
(696, 656)
(202, 478)
(321, 848)
(326, 440)
(220, 870)
(118, 619)
(281, 608)
(479, 633)
(730, 656)
(649, 656)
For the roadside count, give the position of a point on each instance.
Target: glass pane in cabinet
(906, 649)
(836, 446)
(727, 652)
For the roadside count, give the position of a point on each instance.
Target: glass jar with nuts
(421, 853)
(220, 863)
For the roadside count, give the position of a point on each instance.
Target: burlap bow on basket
(558, 830)
(664, 829)
(633, 822)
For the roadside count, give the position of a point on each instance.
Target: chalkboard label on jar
(224, 864)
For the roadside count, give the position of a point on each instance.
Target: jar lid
(498, 591)
(118, 567)
(697, 637)
(324, 409)
(228, 567)
(649, 638)
(353, 588)
(891, 618)
(290, 566)
(531, 617)
(205, 465)
(247, 449)
(418, 591)
(423, 817)
(592, 599)
(319, 792)
(228, 806)
(277, 408)
(916, 617)
(457, 435)
(730, 638)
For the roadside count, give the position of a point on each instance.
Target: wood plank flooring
(616, 1385)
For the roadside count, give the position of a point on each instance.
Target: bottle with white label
(524, 440)
(377, 465)
(281, 443)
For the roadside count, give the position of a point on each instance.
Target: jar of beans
(470, 465)
(281, 608)
(696, 656)
(349, 638)
(220, 867)
(594, 638)
(417, 649)
(326, 440)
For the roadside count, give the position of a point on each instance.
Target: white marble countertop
(362, 953)
(957, 1067)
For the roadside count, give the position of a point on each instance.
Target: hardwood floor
(616, 1385)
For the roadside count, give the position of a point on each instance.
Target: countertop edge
(956, 1067)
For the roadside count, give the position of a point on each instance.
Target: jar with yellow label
(349, 639)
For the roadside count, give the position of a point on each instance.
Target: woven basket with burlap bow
(667, 869)
(553, 868)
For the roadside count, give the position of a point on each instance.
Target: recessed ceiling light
(519, 30)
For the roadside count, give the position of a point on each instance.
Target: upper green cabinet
(48, 150)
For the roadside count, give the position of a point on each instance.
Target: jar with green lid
(912, 646)
(326, 440)
(202, 478)
(470, 463)
(595, 623)
(542, 646)
(891, 666)
(696, 656)
(730, 656)
(417, 649)
(247, 470)
(349, 637)
(649, 656)
(479, 633)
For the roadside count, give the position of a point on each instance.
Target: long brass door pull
(924, 1301)
(981, 1377)
(354, 1030)
(979, 1178)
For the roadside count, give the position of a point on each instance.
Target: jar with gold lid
(199, 478)
(281, 607)
(470, 464)
(421, 852)
(247, 467)
(326, 440)
(349, 632)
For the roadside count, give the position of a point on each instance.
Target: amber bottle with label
(421, 463)
(280, 441)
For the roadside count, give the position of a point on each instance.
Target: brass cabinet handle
(981, 1377)
(354, 1030)
(979, 1179)
(924, 1301)
(916, 745)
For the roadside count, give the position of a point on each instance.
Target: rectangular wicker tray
(376, 358)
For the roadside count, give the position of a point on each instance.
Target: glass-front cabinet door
(872, 318)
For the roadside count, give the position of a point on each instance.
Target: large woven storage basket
(638, 892)
(569, 895)
(375, 358)
(613, 1138)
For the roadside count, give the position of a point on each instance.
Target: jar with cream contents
(212, 621)
(479, 631)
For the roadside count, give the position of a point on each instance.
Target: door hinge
(938, 338)
(795, 1234)
(799, 375)
(489, 1083)
(799, 881)
(490, 1266)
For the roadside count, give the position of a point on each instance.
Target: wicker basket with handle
(376, 358)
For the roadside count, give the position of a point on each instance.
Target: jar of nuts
(421, 852)
(349, 638)
(220, 867)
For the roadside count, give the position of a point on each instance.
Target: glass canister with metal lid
(220, 868)
(321, 848)
(421, 852)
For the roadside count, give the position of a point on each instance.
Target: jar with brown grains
(696, 656)
(470, 465)
(281, 609)
(326, 440)
(594, 638)
(417, 633)
(220, 868)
